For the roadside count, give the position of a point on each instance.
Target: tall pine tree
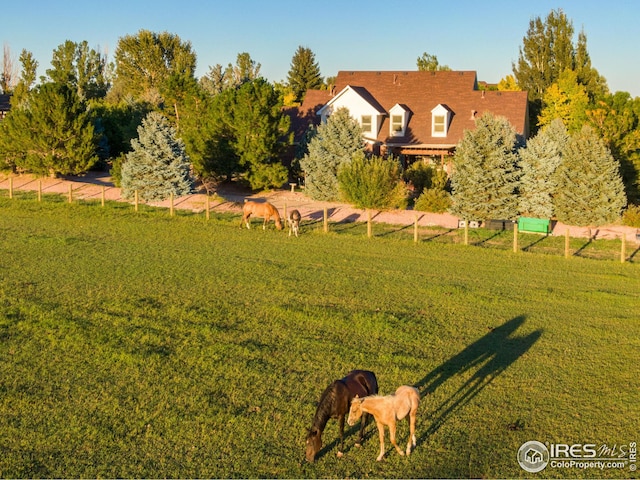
(158, 164)
(538, 163)
(485, 171)
(51, 133)
(590, 189)
(304, 73)
(334, 143)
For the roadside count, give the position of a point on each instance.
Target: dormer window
(398, 119)
(440, 118)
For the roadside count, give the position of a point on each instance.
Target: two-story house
(413, 114)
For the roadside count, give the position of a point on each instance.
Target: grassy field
(139, 345)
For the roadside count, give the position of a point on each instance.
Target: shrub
(372, 183)
(435, 200)
(631, 216)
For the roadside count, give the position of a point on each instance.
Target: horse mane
(325, 406)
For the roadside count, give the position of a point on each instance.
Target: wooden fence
(106, 192)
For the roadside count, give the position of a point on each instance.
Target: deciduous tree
(80, 67)
(146, 61)
(372, 182)
(429, 63)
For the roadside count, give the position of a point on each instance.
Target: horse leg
(380, 426)
(264, 224)
(341, 426)
(363, 424)
(392, 436)
(412, 431)
(245, 220)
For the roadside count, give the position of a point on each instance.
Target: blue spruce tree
(158, 164)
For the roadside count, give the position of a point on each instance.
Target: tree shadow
(491, 355)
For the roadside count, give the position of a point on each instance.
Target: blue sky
(344, 35)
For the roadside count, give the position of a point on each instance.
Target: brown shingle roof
(422, 91)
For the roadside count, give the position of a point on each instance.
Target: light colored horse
(260, 209)
(386, 410)
(293, 219)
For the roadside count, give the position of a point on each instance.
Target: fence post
(171, 205)
(285, 213)
(39, 190)
(325, 220)
(623, 250)
(566, 243)
(102, 196)
(515, 237)
(207, 207)
(135, 196)
(10, 187)
(70, 193)
(415, 227)
(466, 232)
(368, 223)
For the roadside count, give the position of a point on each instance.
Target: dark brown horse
(334, 403)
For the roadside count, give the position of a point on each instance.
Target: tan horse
(260, 209)
(386, 410)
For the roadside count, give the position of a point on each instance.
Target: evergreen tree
(538, 163)
(260, 131)
(52, 133)
(158, 164)
(334, 143)
(590, 189)
(485, 171)
(304, 73)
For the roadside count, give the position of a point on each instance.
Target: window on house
(396, 123)
(365, 122)
(439, 124)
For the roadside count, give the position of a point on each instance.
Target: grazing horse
(334, 403)
(260, 209)
(293, 219)
(386, 410)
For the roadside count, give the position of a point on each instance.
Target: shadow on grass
(490, 356)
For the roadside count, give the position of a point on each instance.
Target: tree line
(86, 112)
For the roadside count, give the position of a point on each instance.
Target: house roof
(5, 103)
(420, 92)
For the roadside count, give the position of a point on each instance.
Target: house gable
(362, 107)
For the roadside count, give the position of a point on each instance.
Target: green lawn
(140, 345)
